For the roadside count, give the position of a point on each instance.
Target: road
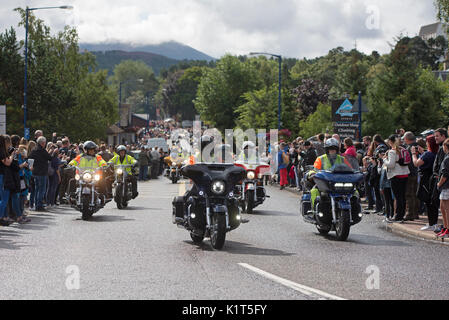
(139, 254)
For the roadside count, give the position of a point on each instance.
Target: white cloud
(294, 28)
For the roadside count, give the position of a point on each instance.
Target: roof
(114, 129)
(143, 116)
(429, 29)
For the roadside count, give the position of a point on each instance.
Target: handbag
(285, 158)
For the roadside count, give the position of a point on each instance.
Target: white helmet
(248, 144)
(332, 143)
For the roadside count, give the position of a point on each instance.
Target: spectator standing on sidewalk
(40, 171)
(412, 183)
(283, 160)
(443, 187)
(385, 185)
(144, 161)
(398, 175)
(440, 136)
(424, 160)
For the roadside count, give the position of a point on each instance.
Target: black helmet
(89, 145)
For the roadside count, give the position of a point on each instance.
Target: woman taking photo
(398, 174)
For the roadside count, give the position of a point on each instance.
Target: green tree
(222, 90)
(318, 122)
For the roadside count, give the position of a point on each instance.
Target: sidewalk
(409, 228)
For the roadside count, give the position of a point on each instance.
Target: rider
(90, 159)
(249, 154)
(326, 162)
(123, 159)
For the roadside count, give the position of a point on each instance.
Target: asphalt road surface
(138, 253)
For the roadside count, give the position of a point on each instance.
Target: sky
(291, 28)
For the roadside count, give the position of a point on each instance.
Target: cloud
(293, 28)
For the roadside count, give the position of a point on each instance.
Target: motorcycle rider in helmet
(249, 153)
(123, 159)
(89, 159)
(326, 162)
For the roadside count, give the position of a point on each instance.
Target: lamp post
(279, 57)
(25, 86)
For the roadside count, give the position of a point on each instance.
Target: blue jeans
(4, 198)
(41, 189)
(143, 173)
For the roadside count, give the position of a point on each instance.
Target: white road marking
(311, 292)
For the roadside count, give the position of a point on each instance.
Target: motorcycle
(338, 206)
(251, 192)
(123, 186)
(210, 209)
(87, 199)
(175, 173)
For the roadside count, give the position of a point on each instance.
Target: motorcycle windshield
(204, 174)
(340, 173)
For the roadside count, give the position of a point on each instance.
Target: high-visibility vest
(127, 160)
(323, 162)
(85, 161)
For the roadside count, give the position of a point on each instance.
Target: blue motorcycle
(337, 207)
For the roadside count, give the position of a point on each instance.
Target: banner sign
(345, 119)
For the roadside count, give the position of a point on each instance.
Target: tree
(309, 95)
(11, 80)
(318, 122)
(222, 89)
(65, 92)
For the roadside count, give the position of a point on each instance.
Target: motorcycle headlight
(344, 186)
(97, 177)
(218, 187)
(251, 175)
(87, 177)
(119, 171)
(77, 177)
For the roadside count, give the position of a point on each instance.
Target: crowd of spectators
(405, 175)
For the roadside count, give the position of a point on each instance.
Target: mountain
(171, 49)
(109, 59)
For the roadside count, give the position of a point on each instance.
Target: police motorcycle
(337, 208)
(122, 186)
(209, 209)
(87, 198)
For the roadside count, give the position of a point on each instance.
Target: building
(432, 31)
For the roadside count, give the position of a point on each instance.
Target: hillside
(173, 50)
(109, 59)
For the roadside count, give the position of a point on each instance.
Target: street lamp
(280, 81)
(25, 87)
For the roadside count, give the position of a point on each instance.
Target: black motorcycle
(210, 209)
(87, 197)
(338, 206)
(123, 186)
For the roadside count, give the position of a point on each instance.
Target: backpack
(404, 158)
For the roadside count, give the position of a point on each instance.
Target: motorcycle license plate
(251, 187)
(86, 191)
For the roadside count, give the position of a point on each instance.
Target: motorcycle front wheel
(196, 239)
(343, 225)
(218, 232)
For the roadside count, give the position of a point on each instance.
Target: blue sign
(345, 109)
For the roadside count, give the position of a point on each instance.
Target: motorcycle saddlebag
(306, 203)
(178, 208)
